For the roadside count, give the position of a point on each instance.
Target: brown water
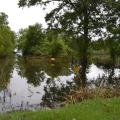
(33, 82)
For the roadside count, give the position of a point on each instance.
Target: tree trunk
(84, 58)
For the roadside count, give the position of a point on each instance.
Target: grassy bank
(97, 109)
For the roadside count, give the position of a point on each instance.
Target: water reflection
(110, 75)
(6, 67)
(40, 82)
(31, 68)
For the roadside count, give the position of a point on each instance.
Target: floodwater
(31, 83)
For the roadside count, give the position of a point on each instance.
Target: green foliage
(34, 40)
(113, 29)
(21, 40)
(6, 41)
(3, 19)
(82, 21)
(114, 48)
(7, 37)
(56, 43)
(30, 40)
(78, 18)
(37, 41)
(57, 48)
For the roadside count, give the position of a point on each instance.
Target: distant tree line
(35, 40)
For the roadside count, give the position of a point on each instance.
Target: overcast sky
(22, 17)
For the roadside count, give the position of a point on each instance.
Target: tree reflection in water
(31, 68)
(6, 69)
(35, 70)
(111, 76)
(40, 82)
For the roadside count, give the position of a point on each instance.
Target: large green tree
(30, 40)
(113, 29)
(6, 36)
(83, 20)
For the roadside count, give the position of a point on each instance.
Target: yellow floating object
(52, 59)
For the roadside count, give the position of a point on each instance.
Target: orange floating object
(76, 69)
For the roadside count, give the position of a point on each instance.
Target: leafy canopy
(6, 36)
(31, 39)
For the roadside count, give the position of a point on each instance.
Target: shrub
(57, 48)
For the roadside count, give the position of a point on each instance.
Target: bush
(57, 48)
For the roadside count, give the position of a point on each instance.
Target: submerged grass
(97, 109)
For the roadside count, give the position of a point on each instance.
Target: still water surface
(31, 83)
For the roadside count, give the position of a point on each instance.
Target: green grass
(97, 109)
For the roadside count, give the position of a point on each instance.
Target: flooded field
(33, 82)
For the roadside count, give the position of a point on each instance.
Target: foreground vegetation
(97, 109)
